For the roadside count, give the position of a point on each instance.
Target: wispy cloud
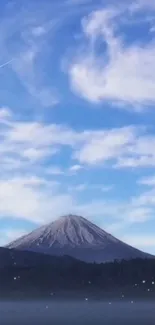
(127, 147)
(8, 235)
(77, 2)
(141, 241)
(147, 198)
(33, 141)
(90, 187)
(25, 35)
(31, 198)
(75, 168)
(148, 181)
(116, 216)
(105, 145)
(5, 115)
(55, 170)
(120, 72)
(28, 72)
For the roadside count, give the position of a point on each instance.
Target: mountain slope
(77, 237)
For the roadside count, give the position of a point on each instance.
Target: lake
(77, 313)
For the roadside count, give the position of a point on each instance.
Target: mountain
(77, 237)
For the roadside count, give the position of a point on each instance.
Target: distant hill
(12, 258)
(77, 237)
(66, 278)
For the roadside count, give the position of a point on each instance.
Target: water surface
(77, 313)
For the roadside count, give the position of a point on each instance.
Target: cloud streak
(6, 63)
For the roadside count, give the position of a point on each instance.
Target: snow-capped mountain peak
(77, 237)
(67, 231)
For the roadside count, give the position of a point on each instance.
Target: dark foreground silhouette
(44, 277)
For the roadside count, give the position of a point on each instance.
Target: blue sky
(77, 131)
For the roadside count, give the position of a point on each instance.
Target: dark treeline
(136, 277)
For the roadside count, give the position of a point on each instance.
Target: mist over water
(77, 313)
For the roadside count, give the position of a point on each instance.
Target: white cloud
(106, 145)
(37, 154)
(127, 215)
(140, 241)
(55, 170)
(26, 141)
(38, 31)
(136, 162)
(90, 187)
(139, 154)
(141, 5)
(145, 199)
(122, 73)
(31, 181)
(148, 181)
(41, 200)
(127, 147)
(23, 146)
(5, 115)
(72, 170)
(75, 168)
(78, 188)
(107, 188)
(37, 198)
(9, 235)
(31, 142)
(115, 216)
(32, 199)
(152, 29)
